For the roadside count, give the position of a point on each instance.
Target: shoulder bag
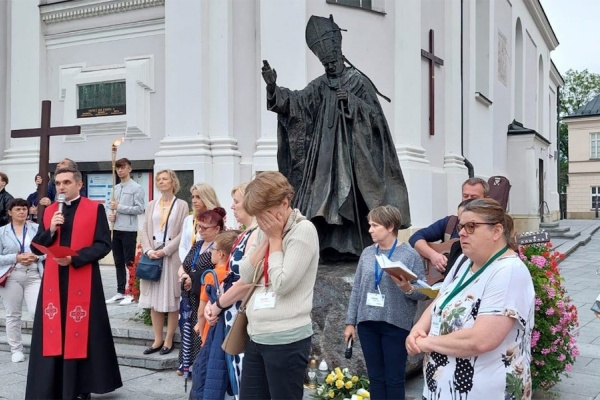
(148, 268)
(237, 338)
(4, 277)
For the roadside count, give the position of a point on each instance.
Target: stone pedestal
(330, 302)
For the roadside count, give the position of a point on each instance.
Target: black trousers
(274, 371)
(123, 247)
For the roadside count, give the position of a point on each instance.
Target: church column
(454, 167)
(186, 144)
(282, 25)
(407, 126)
(21, 157)
(224, 146)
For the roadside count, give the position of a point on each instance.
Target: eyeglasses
(470, 226)
(203, 228)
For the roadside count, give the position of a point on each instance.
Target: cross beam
(44, 133)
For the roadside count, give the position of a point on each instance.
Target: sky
(576, 24)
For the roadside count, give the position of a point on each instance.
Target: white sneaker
(127, 300)
(18, 356)
(117, 297)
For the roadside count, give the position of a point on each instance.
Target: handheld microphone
(348, 352)
(61, 202)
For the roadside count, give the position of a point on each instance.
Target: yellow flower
(330, 378)
(331, 394)
(339, 384)
(363, 393)
(338, 371)
(355, 379)
(339, 376)
(348, 385)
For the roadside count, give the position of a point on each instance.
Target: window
(594, 145)
(371, 5)
(595, 196)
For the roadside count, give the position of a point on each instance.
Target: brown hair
(76, 173)
(173, 176)
(214, 217)
(267, 190)
(225, 240)
(122, 162)
(491, 211)
(4, 177)
(386, 216)
(478, 181)
(17, 202)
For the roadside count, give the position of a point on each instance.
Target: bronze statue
(335, 146)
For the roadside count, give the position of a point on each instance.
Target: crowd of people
(483, 312)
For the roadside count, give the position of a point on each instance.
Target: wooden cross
(433, 60)
(44, 133)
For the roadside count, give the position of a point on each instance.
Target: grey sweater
(130, 197)
(399, 309)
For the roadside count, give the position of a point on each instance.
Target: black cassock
(54, 377)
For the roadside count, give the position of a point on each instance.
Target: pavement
(157, 380)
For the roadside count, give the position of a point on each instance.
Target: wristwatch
(411, 291)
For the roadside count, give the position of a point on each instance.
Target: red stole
(79, 292)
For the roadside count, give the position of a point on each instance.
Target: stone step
(564, 235)
(131, 355)
(548, 225)
(558, 230)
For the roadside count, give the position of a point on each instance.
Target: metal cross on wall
(44, 133)
(433, 60)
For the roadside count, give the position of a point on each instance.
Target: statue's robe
(321, 157)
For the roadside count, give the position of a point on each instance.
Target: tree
(580, 87)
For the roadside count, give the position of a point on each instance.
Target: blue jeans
(384, 348)
(274, 371)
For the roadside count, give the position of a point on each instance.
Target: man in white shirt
(128, 203)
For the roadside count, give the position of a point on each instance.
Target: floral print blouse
(503, 288)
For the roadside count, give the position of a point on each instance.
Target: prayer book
(395, 268)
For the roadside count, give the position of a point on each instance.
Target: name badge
(375, 299)
(264, 300)
(435, 326)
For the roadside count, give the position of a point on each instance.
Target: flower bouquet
(553, 341)
(133, 283)
(340, 384)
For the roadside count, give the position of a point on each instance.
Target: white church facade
(189, 76)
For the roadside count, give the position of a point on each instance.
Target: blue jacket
(210, 378)
(433, 232)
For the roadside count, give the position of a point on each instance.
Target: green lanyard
(460, 286)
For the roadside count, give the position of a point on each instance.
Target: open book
(596, 306)
(430, 291)
(395, 268)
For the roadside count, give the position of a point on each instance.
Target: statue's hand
(342, 95)
(269, 75)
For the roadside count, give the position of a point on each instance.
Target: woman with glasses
(204, 198)
(381, 307)
(476, 335)
(197, 260)
(160, 239)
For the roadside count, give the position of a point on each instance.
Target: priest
(72, 349)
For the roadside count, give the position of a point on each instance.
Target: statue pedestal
(330, 302)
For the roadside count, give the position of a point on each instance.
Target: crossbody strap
(257, 276)
(167, 223)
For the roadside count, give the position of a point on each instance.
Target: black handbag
(150, 269)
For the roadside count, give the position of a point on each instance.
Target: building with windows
(461, 75)
(583, 191)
